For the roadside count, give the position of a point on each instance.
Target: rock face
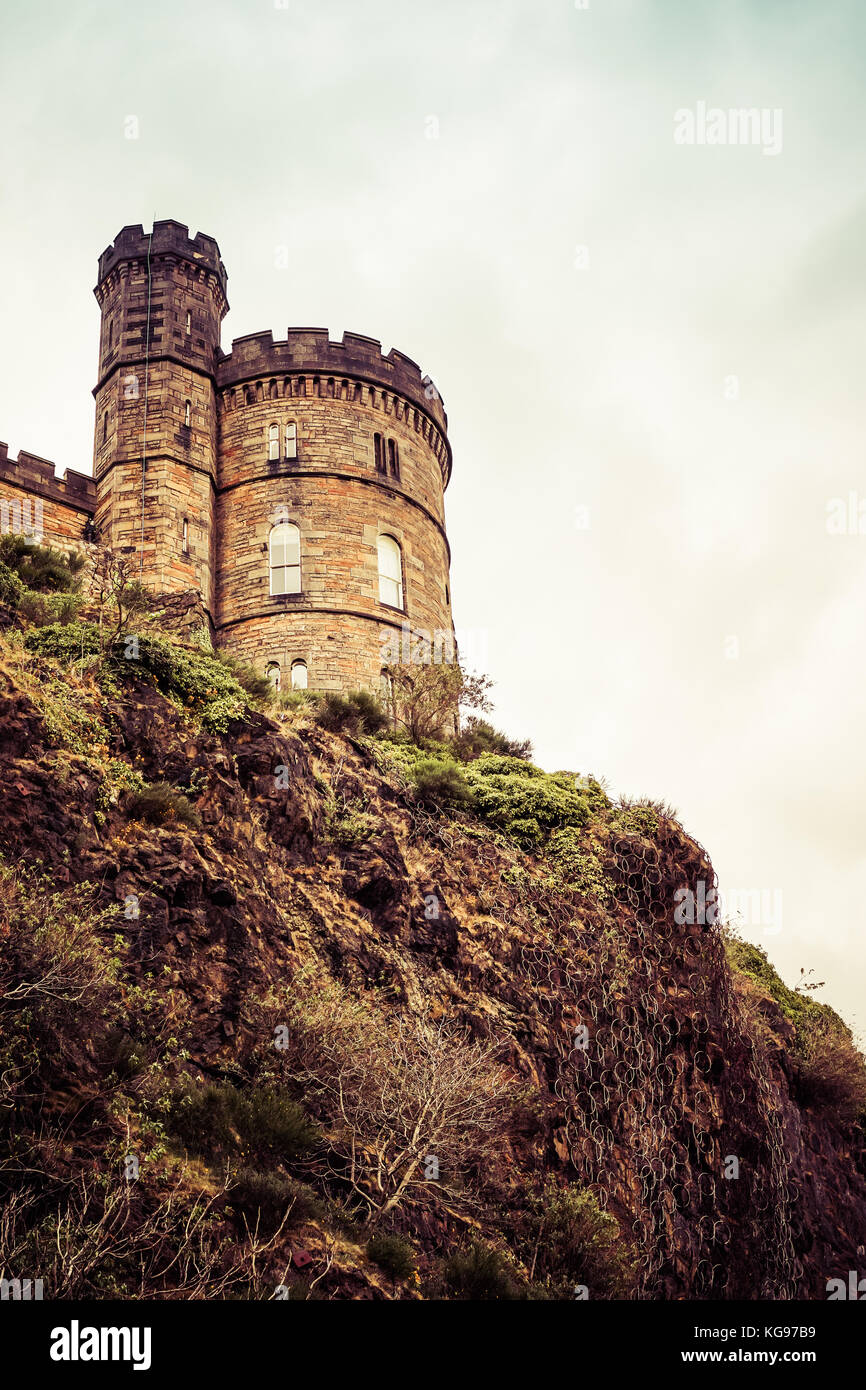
(650, 1080)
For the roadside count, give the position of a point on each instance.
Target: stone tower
(162, 297)
(297, 485)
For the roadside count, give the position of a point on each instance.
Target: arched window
(299, 675)
(187, 414)
(272, 671)
(393, 459)
(273, 443)
(291, 441)
(390, 572)
(285, 556)
(379, 452)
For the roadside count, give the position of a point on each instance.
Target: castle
(296, 486)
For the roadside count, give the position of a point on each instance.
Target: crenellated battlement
(168, 238)
(37, 475)
(311, 351)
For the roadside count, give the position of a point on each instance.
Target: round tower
(332, 556)
(162, 297)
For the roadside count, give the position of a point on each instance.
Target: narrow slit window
(393, 459)
(187, 414)
(299, 675)
(104, 426)
(273, 443)
(110, 333)
(185, 536)
(390, 572)
(188, 322)
(379, 452)
(285, 558)
(291, 441)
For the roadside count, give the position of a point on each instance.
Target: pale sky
(663, 334)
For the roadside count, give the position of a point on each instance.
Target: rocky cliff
(646, 1064)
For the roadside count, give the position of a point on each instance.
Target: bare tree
(409, 1104)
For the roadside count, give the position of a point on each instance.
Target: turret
(163, 298)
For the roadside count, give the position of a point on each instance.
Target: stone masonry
(199, 453)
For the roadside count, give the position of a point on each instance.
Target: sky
(643, 316)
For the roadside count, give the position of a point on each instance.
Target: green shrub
(441, 782)
(41, 567)
(217, 1119)
(480, 1272)
(357, 713)
(527, 803)
(263, 1197)
(392, 1254)
(43, 609)
(64, 641)
(252, 681)
(161, 803)
(478, 736)
(11, 588)
(200, 681)
(833, 1073)
(575, 1242)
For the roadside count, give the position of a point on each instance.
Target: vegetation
(441, 782)
(574, 1242)
(357, 713)
(392, 1254)
(218, 1119)
(41, 568)
(529, 804)
(161, 804)
(478, 736)
(480, 1273)
(832, 1069)
(200, 683)
(427, 697)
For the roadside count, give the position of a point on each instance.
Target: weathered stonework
(183, 482)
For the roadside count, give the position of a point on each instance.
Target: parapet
(310, 350)
(37, 475)
(167, 238)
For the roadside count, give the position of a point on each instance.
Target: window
(291, 441)
(299, 675)
(393, 459)
(110, 333)
(379, 451)
(185, 536)
(285, 556)
(390, 572)
(104, 426)
(188, 323)
(386, 689)
(187, 414)
(273, 443)
(272, 671)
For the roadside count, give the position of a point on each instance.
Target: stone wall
(33, 499)
(341, 505)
